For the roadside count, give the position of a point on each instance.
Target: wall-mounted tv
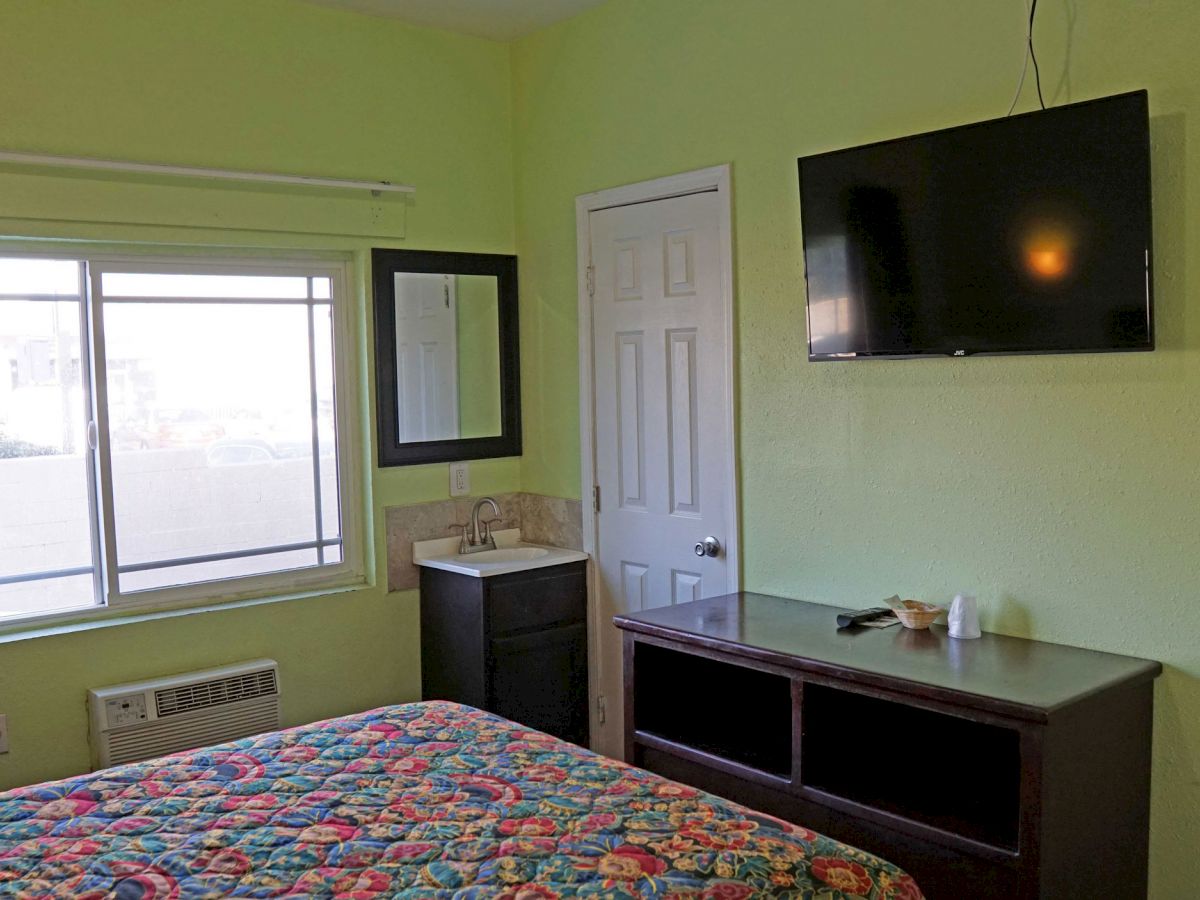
(1029, 234)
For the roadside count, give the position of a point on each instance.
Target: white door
(426, 357)
(663, 428)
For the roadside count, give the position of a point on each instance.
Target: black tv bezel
(965, 352)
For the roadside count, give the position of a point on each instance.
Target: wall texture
(1064, 490)
(273, 85)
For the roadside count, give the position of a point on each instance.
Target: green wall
(478, 323)
(1064, 489)
(273, 85)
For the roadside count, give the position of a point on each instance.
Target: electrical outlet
(460, 479)
(3, 734)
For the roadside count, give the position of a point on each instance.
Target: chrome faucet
(477, 536)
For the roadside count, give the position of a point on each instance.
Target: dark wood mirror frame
(384, 265)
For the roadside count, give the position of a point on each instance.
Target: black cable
(1024, 71)
(1036, 74)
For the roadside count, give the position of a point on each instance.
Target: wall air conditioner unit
(144, 719)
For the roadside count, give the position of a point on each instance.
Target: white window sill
(74, 621)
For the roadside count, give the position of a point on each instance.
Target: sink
(511, 555)
(504, 554)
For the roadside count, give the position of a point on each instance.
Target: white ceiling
(501, 20)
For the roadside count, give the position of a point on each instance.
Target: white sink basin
(504, 554)
(510, 555)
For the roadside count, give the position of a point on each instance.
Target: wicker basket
(916, 614)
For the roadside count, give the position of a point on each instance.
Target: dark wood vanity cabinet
(513, 644)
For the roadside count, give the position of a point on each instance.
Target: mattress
(423, 800)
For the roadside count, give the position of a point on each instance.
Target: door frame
(713, 179)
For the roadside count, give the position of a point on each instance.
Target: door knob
(710, 546)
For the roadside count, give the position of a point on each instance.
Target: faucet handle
(463, 544)
(486, 531)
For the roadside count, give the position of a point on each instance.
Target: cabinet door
(540, 680)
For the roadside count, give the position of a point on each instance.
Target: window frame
(89, 458)
(349, 572)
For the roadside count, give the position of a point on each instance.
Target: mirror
(446, 358)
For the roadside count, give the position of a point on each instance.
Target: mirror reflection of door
(426, 357)
(447, 356)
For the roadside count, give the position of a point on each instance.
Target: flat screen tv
(1029, 234)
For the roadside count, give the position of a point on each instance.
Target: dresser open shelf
(753, 709)
(956, 775)
(999, 767)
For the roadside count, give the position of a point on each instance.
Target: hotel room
(243, 498)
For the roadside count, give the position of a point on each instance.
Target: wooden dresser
(998, 767)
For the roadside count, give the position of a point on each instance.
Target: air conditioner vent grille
(203, 694)
(173, 735)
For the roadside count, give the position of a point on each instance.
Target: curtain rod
(112, 165)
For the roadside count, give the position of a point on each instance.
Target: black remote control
(845, 620)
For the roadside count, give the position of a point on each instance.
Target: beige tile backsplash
(543, 520)
(555, 521)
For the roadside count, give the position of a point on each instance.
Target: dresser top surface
(1027, 674)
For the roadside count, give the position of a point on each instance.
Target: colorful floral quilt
(430, 800)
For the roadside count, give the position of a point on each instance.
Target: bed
(425, 800)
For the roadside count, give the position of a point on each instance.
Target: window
(169, 431)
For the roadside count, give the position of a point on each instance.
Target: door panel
(426, 357)
(631, 434)
(681, 434)
(663, 428)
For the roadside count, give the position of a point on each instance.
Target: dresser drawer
(555, 596)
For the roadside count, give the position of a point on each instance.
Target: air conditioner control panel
(127, 710)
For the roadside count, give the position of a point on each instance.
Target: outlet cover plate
(460, 479)
(3, 734)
